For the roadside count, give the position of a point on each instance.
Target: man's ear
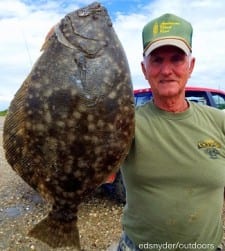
(143, 69)
(191, 66)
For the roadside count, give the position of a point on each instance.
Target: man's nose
(166, 68)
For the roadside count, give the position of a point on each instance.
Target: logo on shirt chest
(211, 147)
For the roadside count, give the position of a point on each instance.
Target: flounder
(71, 123)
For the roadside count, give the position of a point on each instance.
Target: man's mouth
(166, 81)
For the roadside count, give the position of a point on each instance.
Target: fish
(71, 123)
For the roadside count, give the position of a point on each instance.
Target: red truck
(201, 95)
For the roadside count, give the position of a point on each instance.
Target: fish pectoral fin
(47, 38)
(57, 234)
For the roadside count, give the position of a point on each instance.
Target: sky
(25, 23)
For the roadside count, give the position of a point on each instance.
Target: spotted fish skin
(71, 123)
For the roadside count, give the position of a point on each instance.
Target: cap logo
(163, 27)
(167, 29)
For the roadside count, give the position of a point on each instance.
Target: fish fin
(45, 45)
(57, 234)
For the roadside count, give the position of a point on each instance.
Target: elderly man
(175, 171)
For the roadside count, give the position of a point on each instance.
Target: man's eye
(156, 60)
(178, 59)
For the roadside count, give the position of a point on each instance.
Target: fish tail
(57, 234)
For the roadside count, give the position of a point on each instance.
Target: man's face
(167, 70)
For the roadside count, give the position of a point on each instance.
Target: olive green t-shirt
(175, 177)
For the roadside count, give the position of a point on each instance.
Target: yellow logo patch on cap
(163, 27)
(167, 29)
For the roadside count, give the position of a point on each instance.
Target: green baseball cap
(167, 29)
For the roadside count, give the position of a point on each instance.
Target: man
(175, 171)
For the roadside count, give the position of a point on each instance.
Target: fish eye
(83, 13)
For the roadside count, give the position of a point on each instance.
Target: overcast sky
(24, 24)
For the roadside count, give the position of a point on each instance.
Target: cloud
(25, 24)
(24, 29)
(129, 33)
(12, 9)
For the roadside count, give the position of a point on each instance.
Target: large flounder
(71, 122)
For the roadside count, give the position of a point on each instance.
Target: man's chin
(169, 93)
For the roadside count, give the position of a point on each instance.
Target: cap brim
(167, 41)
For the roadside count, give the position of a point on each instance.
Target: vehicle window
(197, 96)
(219, 100)
(142, 98)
